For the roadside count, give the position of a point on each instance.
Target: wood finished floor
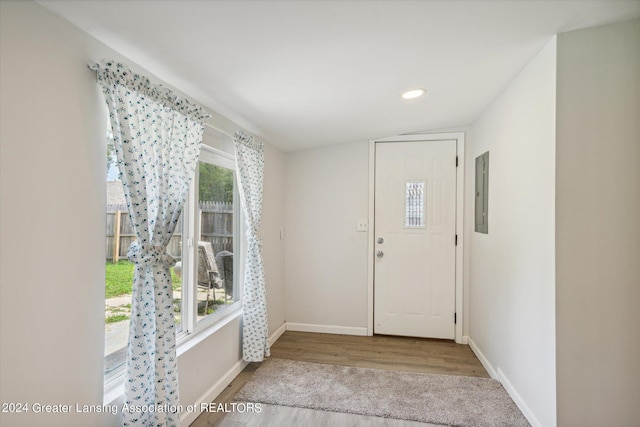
(379, 352)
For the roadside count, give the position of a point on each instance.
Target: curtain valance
(119, 74)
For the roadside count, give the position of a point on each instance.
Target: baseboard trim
(465, 339)
(483, 359)
(517, 399)
(498, 375)
(277, 334)
(212, 393)
(326, 329)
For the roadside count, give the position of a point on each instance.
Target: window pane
(118, 271)
(214, 257)
(414, 205)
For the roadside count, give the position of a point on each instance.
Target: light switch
(363, 224)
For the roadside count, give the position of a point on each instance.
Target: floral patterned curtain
(157, 138)
(250, 171)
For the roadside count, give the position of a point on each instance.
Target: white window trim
(195, 332)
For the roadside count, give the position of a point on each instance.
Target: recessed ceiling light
(413, 93)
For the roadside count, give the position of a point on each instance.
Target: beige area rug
(438, 399)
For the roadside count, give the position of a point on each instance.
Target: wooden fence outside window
(216, 227)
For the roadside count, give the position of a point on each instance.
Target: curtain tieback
(152, 255)
(252, 235)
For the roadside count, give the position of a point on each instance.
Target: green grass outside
(116, 318)
(119, 278)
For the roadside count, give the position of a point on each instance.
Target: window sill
(209, 327)
(114, 386)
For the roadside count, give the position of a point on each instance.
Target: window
(205, 275)
(414, 205)
(211, 263)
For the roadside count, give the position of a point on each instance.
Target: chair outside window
(224, 260)
(208, 276)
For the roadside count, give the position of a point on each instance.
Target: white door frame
(459, 138)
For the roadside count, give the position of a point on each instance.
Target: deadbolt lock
(380, 240)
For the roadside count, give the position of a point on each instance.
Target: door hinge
(456, 240)
(455, 318)
(456, 161)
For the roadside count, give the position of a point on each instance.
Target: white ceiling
(309, 73)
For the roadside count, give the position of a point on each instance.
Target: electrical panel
(482, 193)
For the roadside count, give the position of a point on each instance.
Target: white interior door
(415, 220)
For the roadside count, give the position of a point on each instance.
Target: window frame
(190, 323)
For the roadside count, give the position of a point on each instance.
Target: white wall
(52, 251)
(52, 190)
(511, 269)
(326, 191)
(598, 233)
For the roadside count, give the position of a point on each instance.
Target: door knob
(380, 240)
(379, 254)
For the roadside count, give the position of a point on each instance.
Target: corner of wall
(511, 270)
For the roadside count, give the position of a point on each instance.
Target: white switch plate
(363, 224)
